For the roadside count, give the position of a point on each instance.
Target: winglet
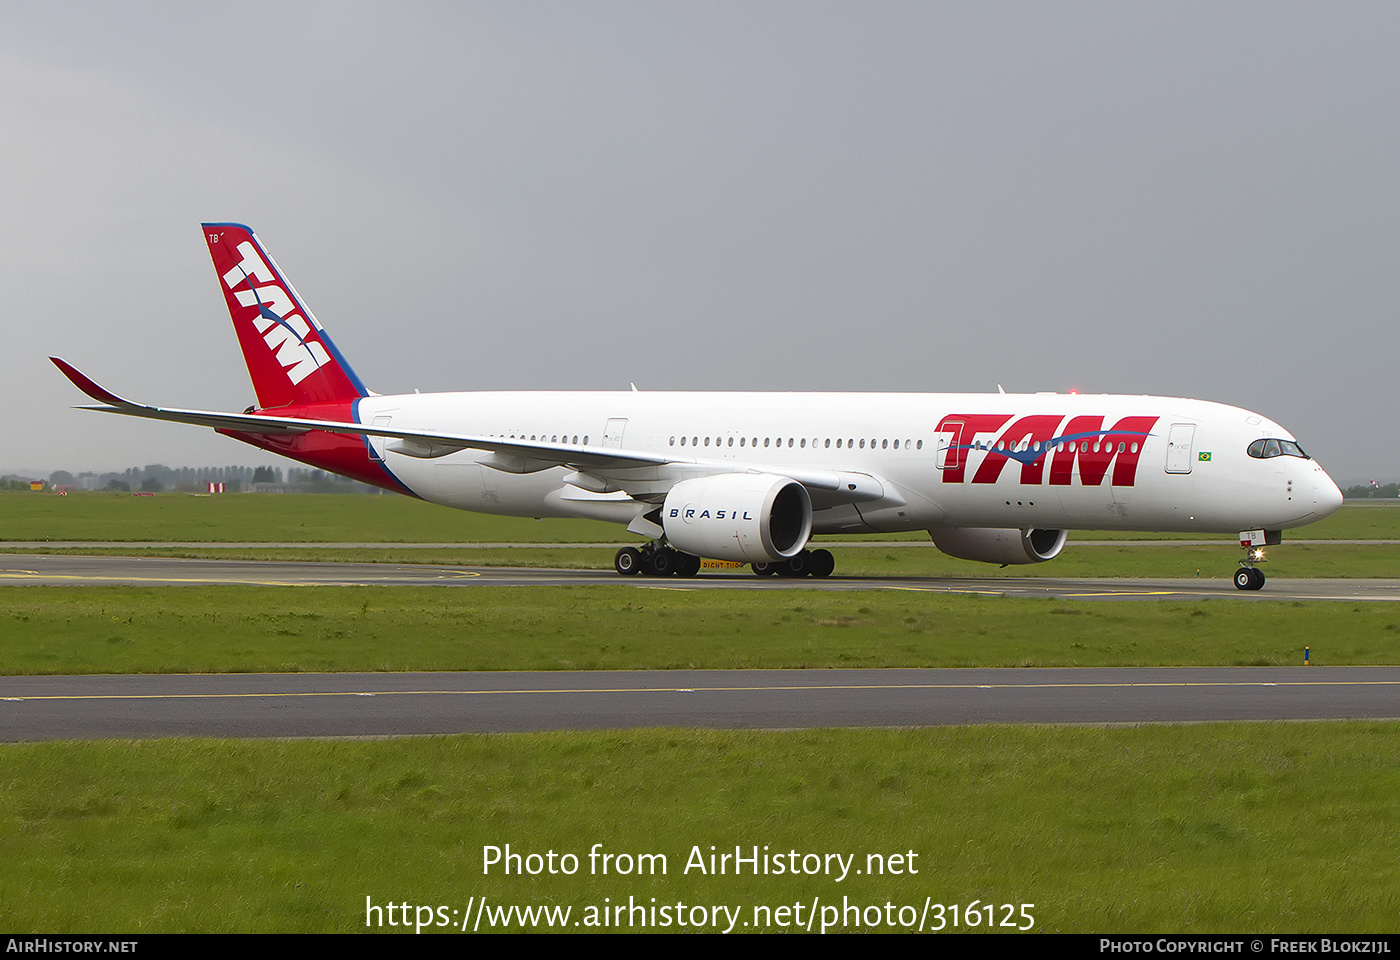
(89, 386)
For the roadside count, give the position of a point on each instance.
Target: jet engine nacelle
(992, 545)
(745, 517)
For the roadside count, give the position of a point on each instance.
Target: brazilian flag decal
(1204, 456)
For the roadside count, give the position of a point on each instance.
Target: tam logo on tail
(289, 356)
(284, 331)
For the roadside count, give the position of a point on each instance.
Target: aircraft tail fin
(290, 359)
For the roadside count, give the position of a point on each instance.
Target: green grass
(53, 630)
(270, 518)
(1354, 521)
(1210, 828)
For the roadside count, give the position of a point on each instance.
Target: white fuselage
(932, 460)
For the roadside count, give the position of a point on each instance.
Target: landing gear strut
(1248, 576)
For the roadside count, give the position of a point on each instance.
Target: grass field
(237, 629)
(1220, 827)
(296, 518)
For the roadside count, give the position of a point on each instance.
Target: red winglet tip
(85, 383)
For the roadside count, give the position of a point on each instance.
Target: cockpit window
(1271, 447)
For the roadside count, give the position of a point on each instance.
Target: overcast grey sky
(1189, 199)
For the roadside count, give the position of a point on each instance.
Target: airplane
(750, 478)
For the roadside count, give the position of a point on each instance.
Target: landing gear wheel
(822, 563)
(660, 563)
(1249, 578)
(764, 569)
(796, 566)
(687, 565)
(628, 561)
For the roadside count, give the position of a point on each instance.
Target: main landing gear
(655, 559)
(815, 563)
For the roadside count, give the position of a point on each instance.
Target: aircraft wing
(510, 455)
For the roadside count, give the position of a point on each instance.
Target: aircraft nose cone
(1327, 496)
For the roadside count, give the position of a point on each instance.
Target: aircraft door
(1180, 441)
(949, 457)
(612, 433)
(376, 444)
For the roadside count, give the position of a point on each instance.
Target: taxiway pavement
(405, 704)
(73, 570)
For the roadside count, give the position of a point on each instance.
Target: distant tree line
(158, 478)
(1372, 491)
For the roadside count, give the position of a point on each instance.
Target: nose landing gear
(1248, 576)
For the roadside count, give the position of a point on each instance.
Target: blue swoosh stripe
(1029, 457)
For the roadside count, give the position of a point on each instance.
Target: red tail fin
(290, 358)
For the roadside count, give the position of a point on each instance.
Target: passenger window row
(851, 443)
